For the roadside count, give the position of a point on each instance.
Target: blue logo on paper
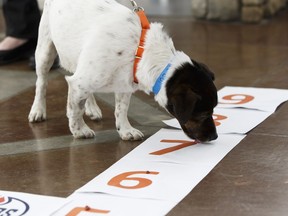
(11, 206)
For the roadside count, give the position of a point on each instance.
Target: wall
(245, 10)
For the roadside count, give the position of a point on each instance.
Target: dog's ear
(182, 103)
(204, 68)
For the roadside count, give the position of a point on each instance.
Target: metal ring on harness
(136, 7)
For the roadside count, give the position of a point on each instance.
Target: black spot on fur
(135, 38)
(154, 67)
(119, 53)
(130, 20)
(101, 8)
(110, 34)
(82, 104)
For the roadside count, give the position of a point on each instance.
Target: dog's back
(75, 26)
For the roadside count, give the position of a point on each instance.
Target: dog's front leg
(125, 130)
(45, 55)
(38, 109)
(75, 110)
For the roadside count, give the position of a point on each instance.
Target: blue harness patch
(157, 86)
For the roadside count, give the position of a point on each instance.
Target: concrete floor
(251, 180)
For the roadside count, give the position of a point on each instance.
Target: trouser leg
(22, 18)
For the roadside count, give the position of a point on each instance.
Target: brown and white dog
(96, 41)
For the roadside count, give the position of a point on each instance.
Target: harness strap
(140, 49)
(158, 84)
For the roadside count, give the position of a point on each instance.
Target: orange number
(183, 144)
(141, 182)
(78, 210)
(218, 118)
(236, 100)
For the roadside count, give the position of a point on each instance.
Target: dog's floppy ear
(183, 102)
(204, 68)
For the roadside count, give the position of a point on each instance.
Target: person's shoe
(21, 52)
(32, 63)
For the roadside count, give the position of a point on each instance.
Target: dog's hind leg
(77, 97)
(92, 109)
(125, 130)
(44, 56)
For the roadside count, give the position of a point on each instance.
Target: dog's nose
(214, 136)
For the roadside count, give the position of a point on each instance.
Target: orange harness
(140, 49)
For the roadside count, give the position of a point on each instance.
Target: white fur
(96, 41)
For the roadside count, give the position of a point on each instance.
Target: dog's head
(192, 97)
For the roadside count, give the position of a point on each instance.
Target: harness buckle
(136, 8)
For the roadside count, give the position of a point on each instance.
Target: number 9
(237, 99)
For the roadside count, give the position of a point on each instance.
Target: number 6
(141, 182)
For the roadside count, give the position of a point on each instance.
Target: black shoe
(32, 63)
(21, 52)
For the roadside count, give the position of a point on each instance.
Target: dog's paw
(37, 115)
(83, 133)
(131, 134)
(93, 112)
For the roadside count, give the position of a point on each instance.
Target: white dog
(96, 40)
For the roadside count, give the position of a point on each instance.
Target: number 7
(183, 144)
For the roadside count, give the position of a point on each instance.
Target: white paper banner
(17, 204)
(166, 170)
(235, 120)
(148, 180)
(89, 204)
(174, 146)
(265, 99)
(160, 172)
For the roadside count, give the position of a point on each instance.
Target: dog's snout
(213, 136)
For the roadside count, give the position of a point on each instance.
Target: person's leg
(9, 43)
(22, 19)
